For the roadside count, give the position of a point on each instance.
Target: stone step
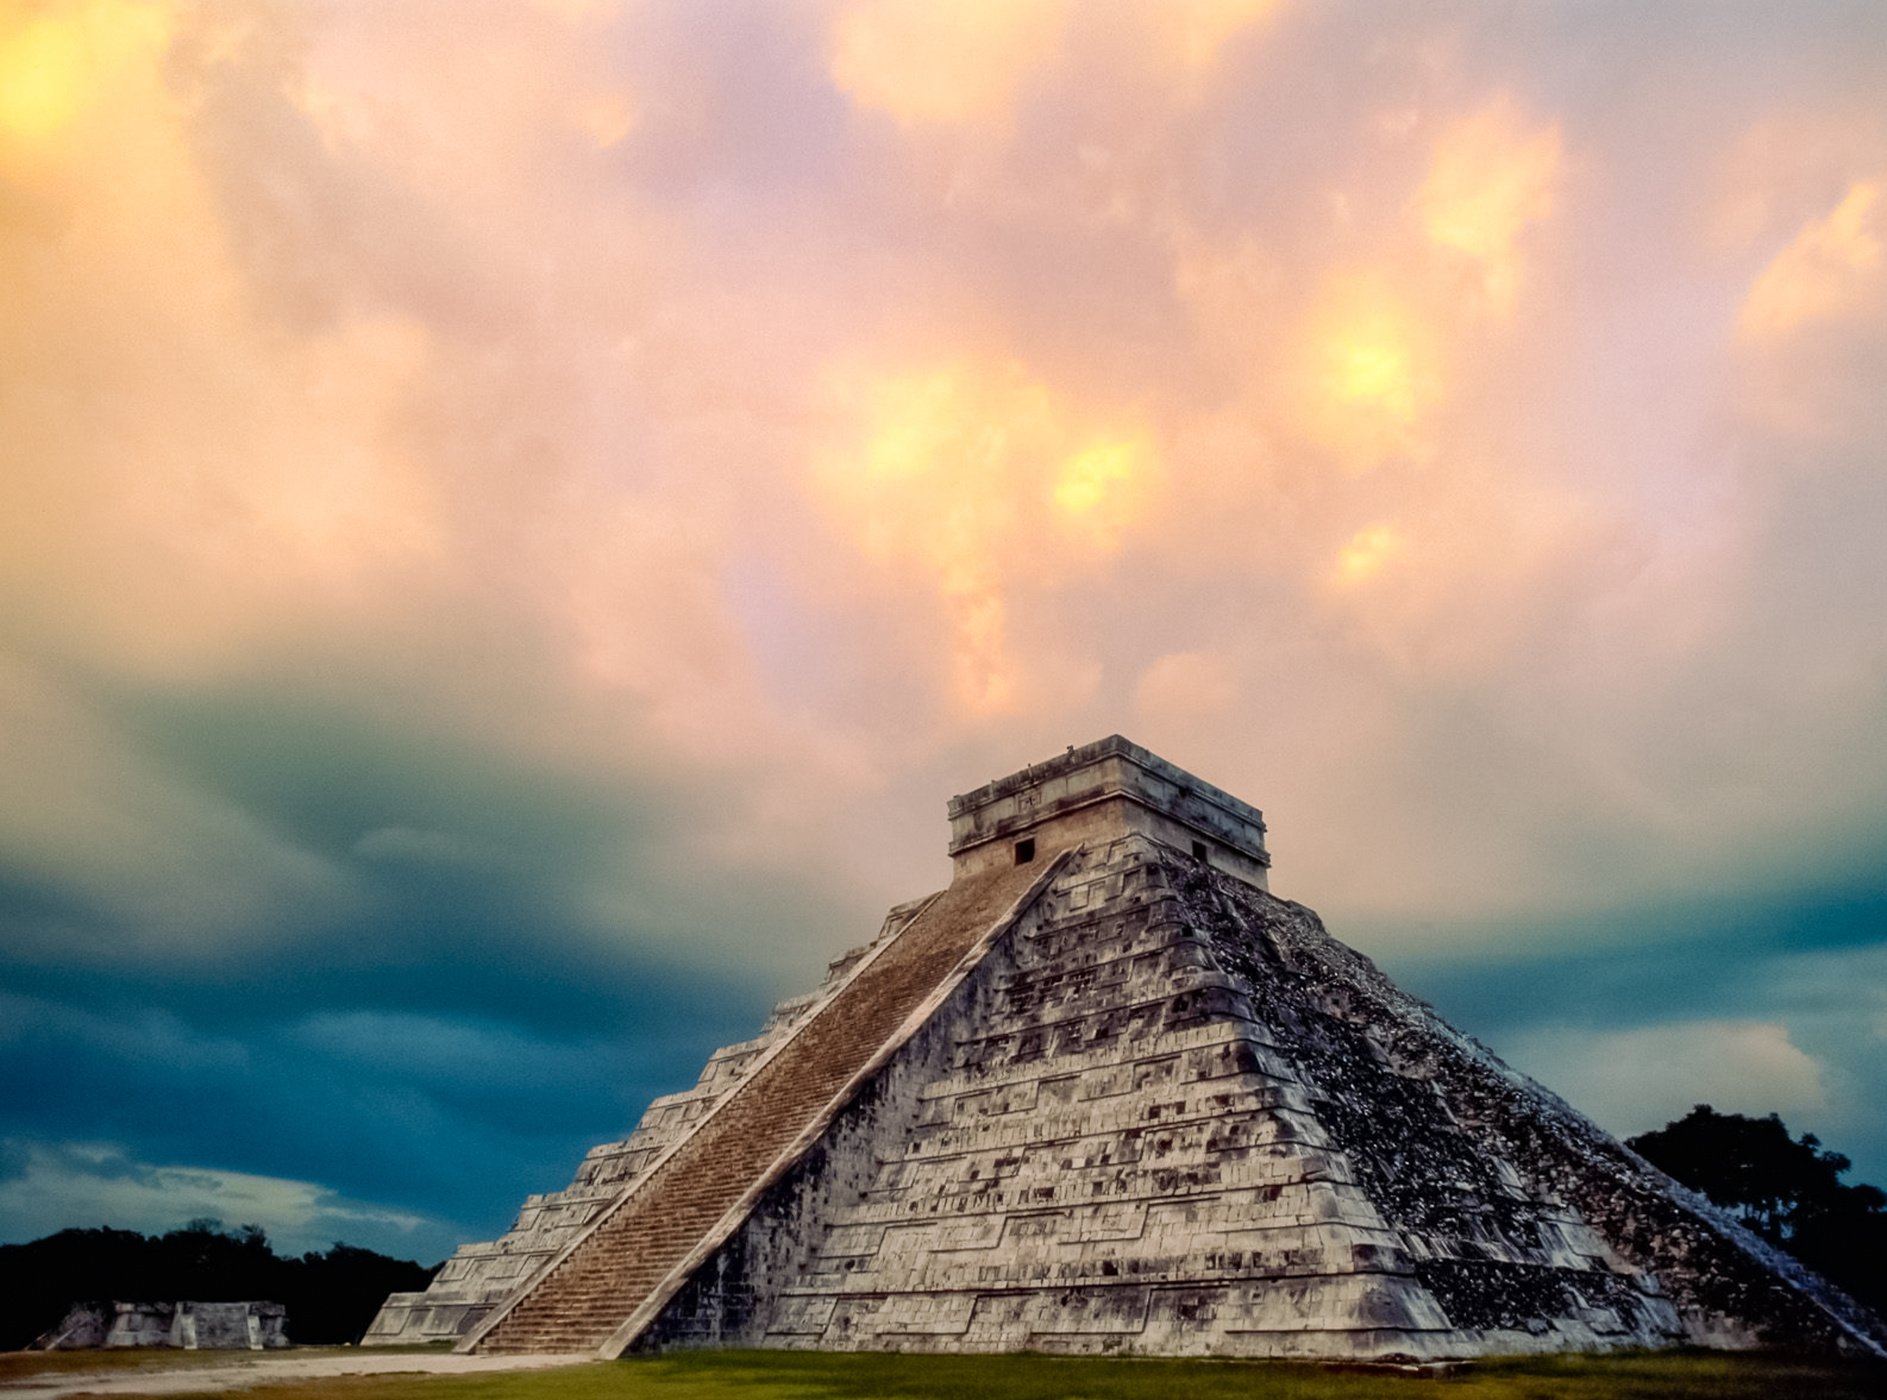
(638, 1243)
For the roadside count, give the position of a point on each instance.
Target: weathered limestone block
(192, 1326)
(479, 1277)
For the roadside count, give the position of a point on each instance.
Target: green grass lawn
(852, 1376)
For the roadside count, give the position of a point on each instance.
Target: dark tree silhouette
(330, 1297)
(1787, 1189)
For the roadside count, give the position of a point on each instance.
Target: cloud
(54, 61)
(443, 1049)
(46, 1186)
(1373, 370)
(1199, 30)
(184, 865)
(1701, 986)
(468, 415)
(951, 64)
(408, 843)
(976, 475)
(1827, 271)
(1186, 683)
(1635, 1080)
(1369, 549)
(1493, 175)
(377, 1081)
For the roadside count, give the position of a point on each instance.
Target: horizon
(518, 515)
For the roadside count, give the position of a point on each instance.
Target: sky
(515, 517)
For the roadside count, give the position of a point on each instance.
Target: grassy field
(838, 1376)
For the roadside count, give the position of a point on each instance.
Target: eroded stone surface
(1169, 1114)
(1157, 1110)
(642, 1249)
(220, 1326)
(479, 1277)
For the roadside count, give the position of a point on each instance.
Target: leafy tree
(336, 1294)
(1787, 1189)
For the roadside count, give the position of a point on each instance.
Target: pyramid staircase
(483, 1275)
(614, 1278)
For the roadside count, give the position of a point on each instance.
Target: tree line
(330, 1296)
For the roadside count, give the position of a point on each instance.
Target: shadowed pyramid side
(1167, 1114)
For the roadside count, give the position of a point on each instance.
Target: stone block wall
(1109, 1140)
(192, 1326)
(479, 1277)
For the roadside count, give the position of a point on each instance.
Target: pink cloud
(1350, 372)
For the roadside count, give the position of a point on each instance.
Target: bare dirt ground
(245, 1370)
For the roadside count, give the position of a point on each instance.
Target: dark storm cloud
(451, 1035)
(1809, 963)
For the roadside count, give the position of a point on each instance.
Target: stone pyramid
(1106, 1094)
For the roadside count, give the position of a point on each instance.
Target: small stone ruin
(189, 1325)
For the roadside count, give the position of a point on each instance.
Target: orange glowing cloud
(967, 63)
(1493, 175)
(1186, 683)
(973, 475)
(1098, 490)
(960, 63)
(1389, 334)
(55, 62)
(42, 78)
(1373, 368)
(1450, 583)
(243, 403)
(1367, 552)
(451, 99)
(336, 336)
(1822, 273)
(1196, 32)
(606, 118)
(268, 458)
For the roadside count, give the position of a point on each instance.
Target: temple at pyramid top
(1097, 792)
